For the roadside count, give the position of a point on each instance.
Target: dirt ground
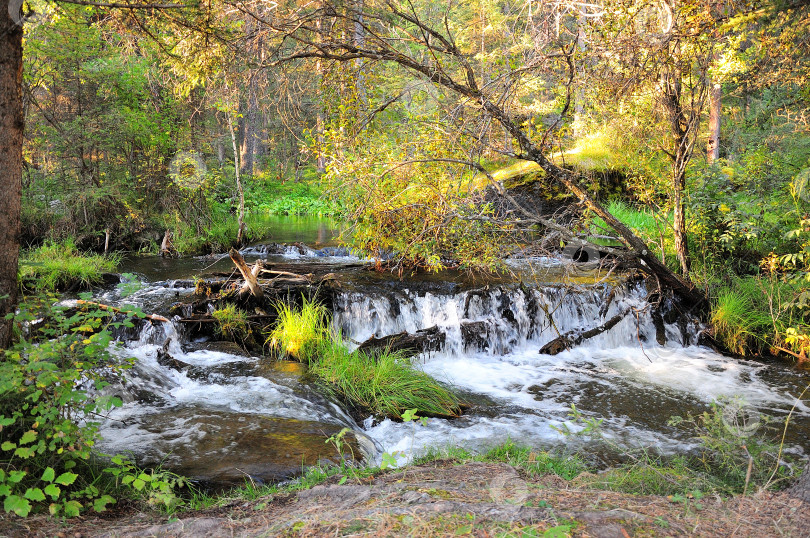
(447, 499)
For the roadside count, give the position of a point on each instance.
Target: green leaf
(54, 509)
(7, 445)
(18, 505)
(15, 476)
(100, 504)
(28, 437)
(48, 475)
(35, 494)
(53, 490)
(138, 484)
(24, 452)
(72, 508)
(66, 479)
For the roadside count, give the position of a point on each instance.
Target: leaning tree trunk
(11, 127)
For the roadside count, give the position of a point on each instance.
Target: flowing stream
(227, 415)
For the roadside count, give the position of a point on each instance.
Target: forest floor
(444, 498)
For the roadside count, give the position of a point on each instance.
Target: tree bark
(251, 116)
(682, 152)
(11, 141)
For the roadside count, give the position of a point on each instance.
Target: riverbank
(447, 498)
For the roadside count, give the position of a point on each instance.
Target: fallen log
(422, 341)
(249, 275)
(152, 317)
(573, 338)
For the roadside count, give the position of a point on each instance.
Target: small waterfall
(498, 319)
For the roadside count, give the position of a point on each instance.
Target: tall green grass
(55, 266)
(753, 313)
(385, 383)
(219, 235)
(643, 222)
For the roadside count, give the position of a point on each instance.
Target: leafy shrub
(49, 396)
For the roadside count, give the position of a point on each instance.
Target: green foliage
(273, 197)
(232, 322)
(49, 395)
(60, 265)
(735, 456)
(157, 488)
(737, 452)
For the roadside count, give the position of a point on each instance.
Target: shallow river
(228, 416)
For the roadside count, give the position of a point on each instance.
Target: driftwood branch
(151, 317)
(250, 275)
(573, 338)
(410, 344)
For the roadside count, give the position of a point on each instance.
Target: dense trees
(405, 106)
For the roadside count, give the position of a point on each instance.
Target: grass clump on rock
(385, 383)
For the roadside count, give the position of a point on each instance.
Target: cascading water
(624, 376)
(207, 410)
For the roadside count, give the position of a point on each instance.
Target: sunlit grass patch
(232, 322)
(60, 265)
(299, 332)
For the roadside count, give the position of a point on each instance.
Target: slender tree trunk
(579, 99)
(11, 140)
(680, 155)
(241, 217)
(251, 116)
(713, 145)
(319, 117)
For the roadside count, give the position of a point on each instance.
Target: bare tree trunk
(11, 127)
(713, 145)
(241, 215)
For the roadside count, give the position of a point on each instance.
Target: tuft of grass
(232, 322)
(219, 235)
(536, 462)
(299, 332)
(386, 382)
(55, 266)
(748, 314)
